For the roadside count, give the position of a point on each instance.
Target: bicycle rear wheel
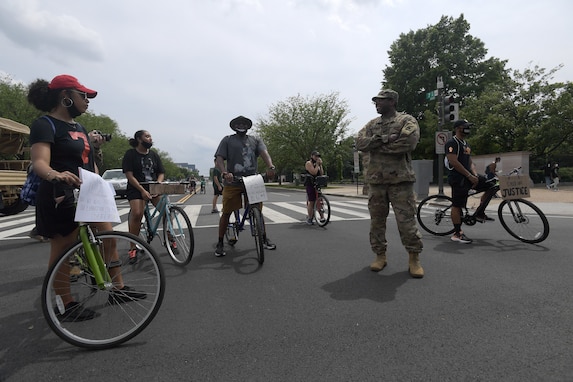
(434, 215)
(257, 231)
(523, 220)
(178, 236)
(322, 207)
(117, 316)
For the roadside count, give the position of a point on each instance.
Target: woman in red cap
(59, 146)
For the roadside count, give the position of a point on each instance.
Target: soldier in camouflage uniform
(389, 141)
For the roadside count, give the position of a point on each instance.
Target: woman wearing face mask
(59, 146)
(140, 164)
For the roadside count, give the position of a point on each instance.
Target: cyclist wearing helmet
(240, 152)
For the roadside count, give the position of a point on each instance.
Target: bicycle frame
(150, 218)
(240, 220)
(95, 260)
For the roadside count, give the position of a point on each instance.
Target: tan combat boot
(379, 263)
(416, 269)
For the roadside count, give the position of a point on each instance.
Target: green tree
(299, 125)
(445, 50)
(530, 113)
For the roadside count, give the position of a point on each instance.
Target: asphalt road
(497, 309)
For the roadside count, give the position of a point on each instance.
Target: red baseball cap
(65, 81)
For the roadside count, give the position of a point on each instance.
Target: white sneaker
(462, 238)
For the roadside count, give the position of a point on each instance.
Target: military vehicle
(13, 168)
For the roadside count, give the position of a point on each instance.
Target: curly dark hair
(41, 96)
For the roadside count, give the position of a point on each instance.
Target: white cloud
(182, 69)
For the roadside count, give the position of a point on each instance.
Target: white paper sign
(96, 202)
(255, 187)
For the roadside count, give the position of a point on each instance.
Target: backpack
(33, 180)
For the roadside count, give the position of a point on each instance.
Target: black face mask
(73, 111)
(147, 145)
(466, 130)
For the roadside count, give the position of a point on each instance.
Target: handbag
(33, 180)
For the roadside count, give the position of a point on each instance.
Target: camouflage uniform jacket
(389, 142)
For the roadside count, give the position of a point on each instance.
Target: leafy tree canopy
(299, 125)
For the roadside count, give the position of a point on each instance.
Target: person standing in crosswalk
(240, 152)
(217, 187)
(313, 168)
(389, 141)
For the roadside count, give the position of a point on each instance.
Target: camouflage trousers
(403, 201)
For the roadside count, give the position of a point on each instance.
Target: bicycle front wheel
(434, 215)
(322, 210)
(232, 232)
(523, 220)
(178, 236)
(257, 231)
(100, 318)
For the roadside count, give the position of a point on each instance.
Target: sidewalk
(550, 202)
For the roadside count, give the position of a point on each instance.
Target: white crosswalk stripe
(18, 226)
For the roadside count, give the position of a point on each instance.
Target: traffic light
(451, 109)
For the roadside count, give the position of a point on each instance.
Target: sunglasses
(82, 94)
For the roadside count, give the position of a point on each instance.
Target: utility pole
(441, 123)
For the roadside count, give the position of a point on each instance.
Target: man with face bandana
(462, 177)
(240, 152)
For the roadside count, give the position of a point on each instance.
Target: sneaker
(322, 220)
(76, 312)
(461, 237)
(309, 222)
(34, 235)
(125, 294)
(173, 245)
(220, 250)
(214, 211)
(484, 218)
(269, 245)
(132, 256)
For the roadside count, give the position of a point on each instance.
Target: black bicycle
(253, 215)
(519, 217)
(321, 211)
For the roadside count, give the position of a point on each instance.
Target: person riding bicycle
(313, 168)
(141, 164)
(240, 151)
(462, 178)
(56, 156)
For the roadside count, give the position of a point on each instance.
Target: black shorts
(52, 220)
(133, 193)
(216, 190)
(461, 187)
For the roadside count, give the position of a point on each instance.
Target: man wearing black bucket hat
(240, 152)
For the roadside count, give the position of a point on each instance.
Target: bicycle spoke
(103, 317)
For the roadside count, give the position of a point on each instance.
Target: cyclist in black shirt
(462, 177)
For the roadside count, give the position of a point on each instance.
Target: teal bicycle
(177, 236)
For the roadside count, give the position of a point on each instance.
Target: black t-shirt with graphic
(145, 167)
(70, 145)
(463, 151)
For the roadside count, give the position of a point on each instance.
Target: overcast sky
(182, 69)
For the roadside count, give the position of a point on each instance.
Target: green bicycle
(90, 272)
